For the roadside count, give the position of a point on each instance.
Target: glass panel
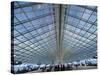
(93, 18)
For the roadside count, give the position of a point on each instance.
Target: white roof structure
(53, 33)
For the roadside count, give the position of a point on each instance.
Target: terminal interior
(52, 37)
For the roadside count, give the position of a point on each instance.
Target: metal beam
(61, 31)
(87, 21)
(57, 19)
(26, 5)
(33, 18)
(95, 10)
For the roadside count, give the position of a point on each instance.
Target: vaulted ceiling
(52, 33)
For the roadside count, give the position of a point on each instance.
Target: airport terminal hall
(47, 37)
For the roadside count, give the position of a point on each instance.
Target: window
(87, 26)
(93, 18)
(21, 16)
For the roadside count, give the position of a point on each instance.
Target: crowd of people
(23, 68)
(41, 68)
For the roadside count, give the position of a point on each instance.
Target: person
(56, 68)
(69, 67)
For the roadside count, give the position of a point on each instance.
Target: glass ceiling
(79, 35)
(34, 32)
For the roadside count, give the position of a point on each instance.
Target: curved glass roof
(45, 33)
(79, 35)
